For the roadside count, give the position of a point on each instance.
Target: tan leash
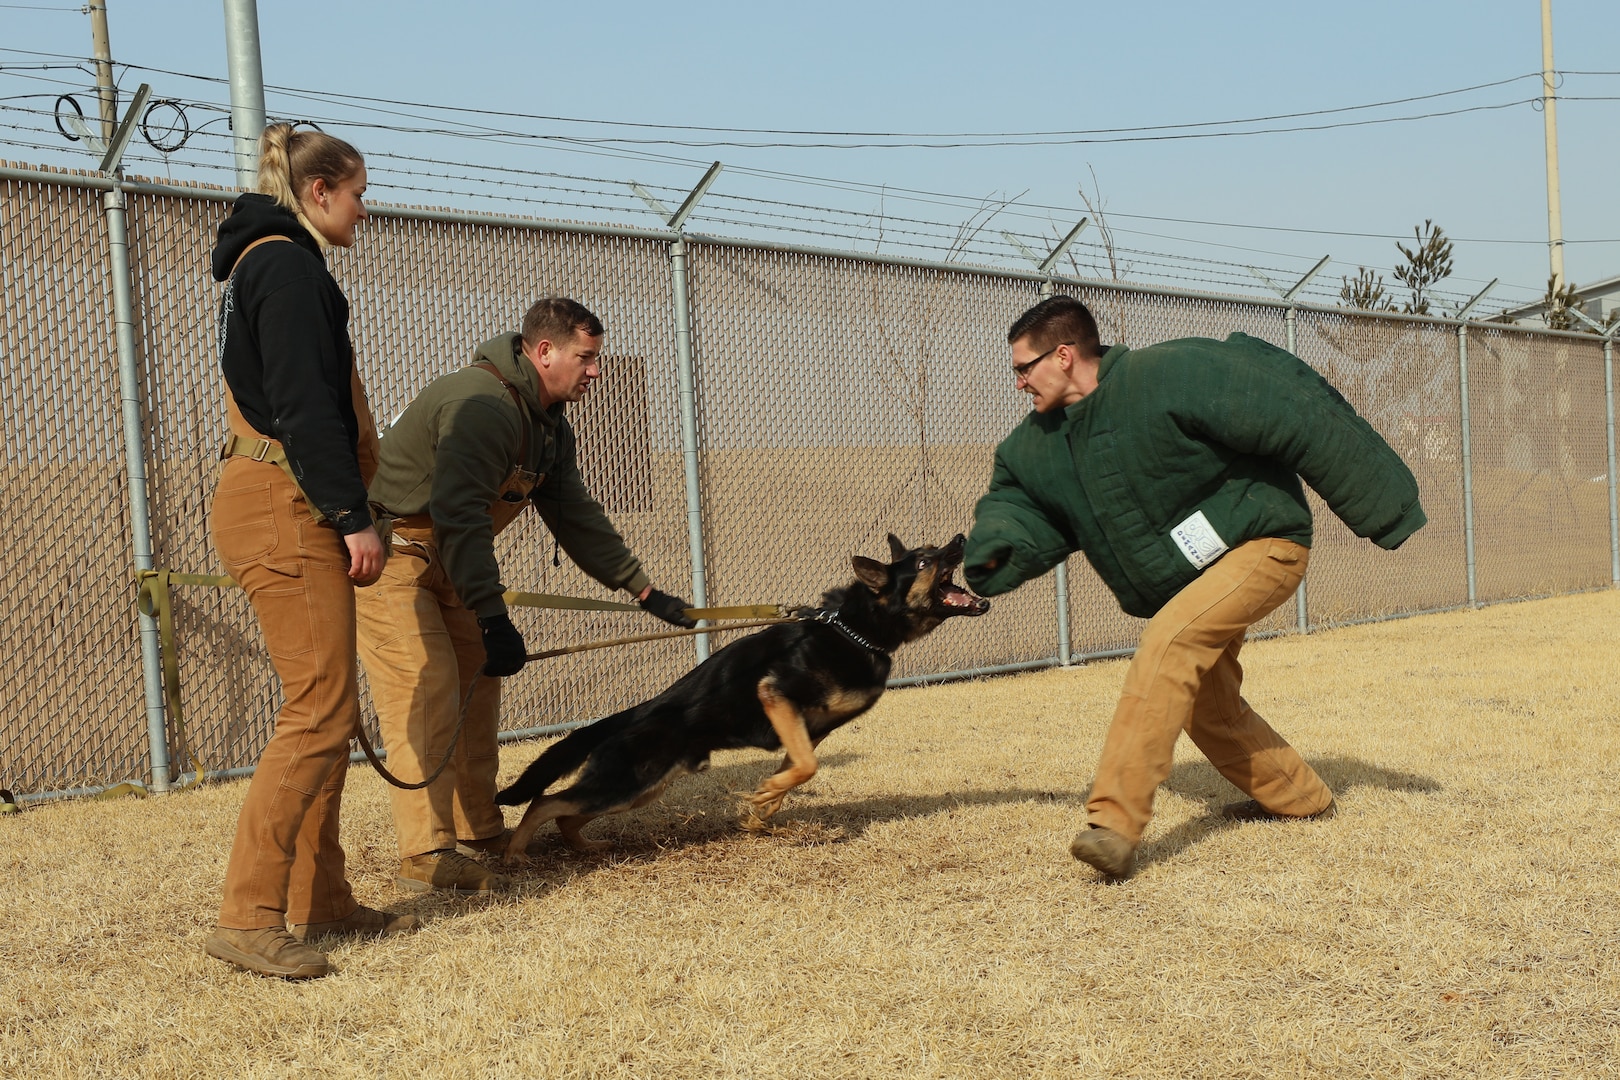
(589, 645)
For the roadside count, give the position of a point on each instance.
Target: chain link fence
(836, 398)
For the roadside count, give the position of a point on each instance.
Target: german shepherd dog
(786, 687)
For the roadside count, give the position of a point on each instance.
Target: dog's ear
(896, 548)
(873, 574)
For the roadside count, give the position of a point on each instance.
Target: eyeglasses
(1021, 371)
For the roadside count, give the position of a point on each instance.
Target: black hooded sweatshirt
(284, 351)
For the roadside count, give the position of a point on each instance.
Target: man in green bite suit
(1176, 470)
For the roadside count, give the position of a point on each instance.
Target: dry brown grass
(918, 914)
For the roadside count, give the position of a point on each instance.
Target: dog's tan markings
(539, 812)
(787, 762)
(570, 819)
(799, 764)
(570, 824)
(921, 594)
(843, 703)
(654, 793)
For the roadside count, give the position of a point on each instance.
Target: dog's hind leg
(799, 764)
(540, 811)
(570, 824)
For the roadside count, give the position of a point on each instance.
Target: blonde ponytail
(289, 160)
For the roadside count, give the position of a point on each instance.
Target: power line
(1100, 136)
(873, 226)
(509, 114)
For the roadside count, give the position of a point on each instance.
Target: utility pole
(247, 86)
(1549, 99)
(104, 77)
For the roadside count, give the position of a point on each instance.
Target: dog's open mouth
(948, 594)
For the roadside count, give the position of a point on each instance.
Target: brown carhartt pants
(286, 863)
(1186, 676)
(421, 649)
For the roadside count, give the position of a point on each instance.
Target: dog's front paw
(515, 857)
(766, 802)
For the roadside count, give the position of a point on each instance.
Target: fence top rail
(104, 182)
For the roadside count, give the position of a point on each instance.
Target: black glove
(504, 653)
(672, 609)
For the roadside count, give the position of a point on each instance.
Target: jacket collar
(1114, 355)
(1105, 366)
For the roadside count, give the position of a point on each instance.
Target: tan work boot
(1106, 850)
(362, 922)
(269, 951)
(449, 871)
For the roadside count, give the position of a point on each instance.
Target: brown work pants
(421, 649)
(286, 863)
(1186, 676)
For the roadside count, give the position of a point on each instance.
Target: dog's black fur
(785, 687)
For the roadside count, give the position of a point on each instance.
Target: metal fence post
(1614, 505)
(140, 521)
(1301, 609)
(1608, 333)
(1467, 466)
(1060, 576)
(686, 388)
(686, 391)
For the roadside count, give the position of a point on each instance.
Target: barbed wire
(171, 124)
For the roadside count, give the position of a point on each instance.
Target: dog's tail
(560, 759)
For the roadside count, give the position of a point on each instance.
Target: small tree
(1366, 292)
(1426, 265)
(1558, 302)
(1095, 210)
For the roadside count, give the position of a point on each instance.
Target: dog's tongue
(953, 595)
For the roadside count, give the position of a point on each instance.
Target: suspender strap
(257, 449)
(517, 399)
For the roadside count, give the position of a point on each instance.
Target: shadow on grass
(700, 811)
(1199, 780)
(704, 810)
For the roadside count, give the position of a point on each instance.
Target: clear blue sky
(948, 68)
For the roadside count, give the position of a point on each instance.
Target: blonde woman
(291, 525)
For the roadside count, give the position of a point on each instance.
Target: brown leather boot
(362, 922)
(1106, 850)
(449, 871)
(268, 951)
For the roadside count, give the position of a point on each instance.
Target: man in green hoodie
(1176, 470)
(455, 469)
